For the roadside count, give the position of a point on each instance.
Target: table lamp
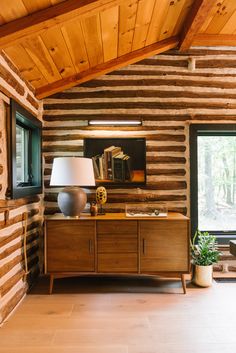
(72, 172)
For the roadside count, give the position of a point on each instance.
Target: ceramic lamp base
(72, 201)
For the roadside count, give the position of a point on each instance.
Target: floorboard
(122, 315)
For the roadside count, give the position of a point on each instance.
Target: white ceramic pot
(203, 275)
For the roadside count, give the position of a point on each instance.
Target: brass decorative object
(101, 198)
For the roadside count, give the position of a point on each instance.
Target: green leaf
(204, 249)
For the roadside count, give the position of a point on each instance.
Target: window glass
(22, 155)
(216, 183)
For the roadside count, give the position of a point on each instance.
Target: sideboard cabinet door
(70, 246)
(164, 246)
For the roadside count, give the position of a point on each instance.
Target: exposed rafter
(104, 68)
(195, 19)
(15, 31)
(215, 40)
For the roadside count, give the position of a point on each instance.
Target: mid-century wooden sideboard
(116, 244)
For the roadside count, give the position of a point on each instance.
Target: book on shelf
(109, 153)
(118, 167)
(96, 167)
(107, 159)
(101, 166)
(121, 168)
(127, 168)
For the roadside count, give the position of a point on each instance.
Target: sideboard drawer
(70, 227)
(117, 227)
(112, 263)
(118, 243)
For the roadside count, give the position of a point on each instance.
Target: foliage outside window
(217, 182)
(25, 157)
(213, 179)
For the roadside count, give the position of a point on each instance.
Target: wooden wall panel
(168, 92)
(13, 278)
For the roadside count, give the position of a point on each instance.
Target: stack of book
(121, 168)
(113, 165)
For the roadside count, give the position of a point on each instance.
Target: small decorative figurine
(101, 198)
(93, 208)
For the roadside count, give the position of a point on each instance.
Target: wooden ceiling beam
(15, 31)
(109, 66)
(214, 40)
(195, 20)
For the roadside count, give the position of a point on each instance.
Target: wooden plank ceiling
(57, 44)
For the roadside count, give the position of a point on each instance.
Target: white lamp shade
(72, 171)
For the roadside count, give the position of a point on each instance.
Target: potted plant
(204, 253)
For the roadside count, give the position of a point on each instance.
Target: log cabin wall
(13, 279)
(168, 92)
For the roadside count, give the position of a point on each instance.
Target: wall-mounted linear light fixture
(115, 122)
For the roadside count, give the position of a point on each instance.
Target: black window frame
(22, 117)
(196, 130)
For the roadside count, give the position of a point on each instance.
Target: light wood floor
(123, 316)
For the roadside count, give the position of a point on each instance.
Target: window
(23, 160)
(25, 153)
(213, 179)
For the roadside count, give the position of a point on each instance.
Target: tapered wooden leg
(183, 283)
(51, 284)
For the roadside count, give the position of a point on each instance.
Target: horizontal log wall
(13, 279)
(168, 92)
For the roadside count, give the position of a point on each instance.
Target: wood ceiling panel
(73, 35)
(109, 66)
(54, 42)
(38, 22)
(158, 17)
(109, 25)
(173, 14)
(54, 2)
(143, 20)
(221, 17)
(210, 16)
(12, 9)
(25, 64)
(128, 11)
(230, 26)
(93, 39)
(35, 5)
(64, 42)
(38, 52)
